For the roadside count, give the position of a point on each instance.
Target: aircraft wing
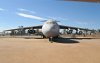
(40, 27)
(84, 0)
(67, 27)
(32, 27)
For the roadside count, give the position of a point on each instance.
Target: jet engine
(31, 31)
(69, 31)
(79, 32)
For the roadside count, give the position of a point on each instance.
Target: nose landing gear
(52, 39)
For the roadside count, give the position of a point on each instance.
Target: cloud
(25, 10)
(30, 16)
(1, 9)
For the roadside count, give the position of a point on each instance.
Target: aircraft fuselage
(50, 28)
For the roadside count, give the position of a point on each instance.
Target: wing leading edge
(40, 27)
(32, 27)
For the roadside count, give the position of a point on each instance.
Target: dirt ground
(21, 50)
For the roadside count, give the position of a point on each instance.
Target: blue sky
(14, 13)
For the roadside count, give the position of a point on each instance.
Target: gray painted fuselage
(50, 28)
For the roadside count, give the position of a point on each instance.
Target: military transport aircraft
(51, 29)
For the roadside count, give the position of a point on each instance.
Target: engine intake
(31, 31)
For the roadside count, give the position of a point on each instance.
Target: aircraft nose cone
(50, 30)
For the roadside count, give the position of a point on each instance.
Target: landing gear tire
(51, 39)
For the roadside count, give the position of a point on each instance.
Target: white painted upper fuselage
(50, 28)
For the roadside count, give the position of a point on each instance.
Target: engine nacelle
(31, 31)
(69, 31)
(79, 32)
